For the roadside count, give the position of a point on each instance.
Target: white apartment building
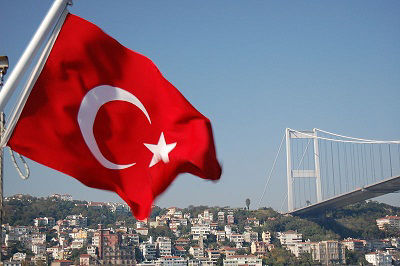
(213, 254)
(393, 221)
(78, 243)
(142, 231)
(92, 251)
(221, 236)
(395, 242)
(141, 224)
(243, 260)
(237, 238)
(164, 246)
(38, 239)
(354, 244)
(178, 214)
(198, 230)
(20, 230)
(39, 249)
(221, 217)
(327, 252)
(379, 258)
(55, 252)
(196, 251)
(253, 221)
(266, 237)
(133, 239)
(77, 220)
(207, 216)
(44, 221)
(172, 261)
(148, 250)
(299, 248)
(228, 229)
(171, 211)
(19, 256)
(289, 237)
(259, 247)
(250, 236)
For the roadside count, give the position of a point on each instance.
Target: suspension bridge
(325, 170)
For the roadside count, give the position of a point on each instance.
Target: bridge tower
(293, 172)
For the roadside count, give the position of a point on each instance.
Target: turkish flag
(106, 116)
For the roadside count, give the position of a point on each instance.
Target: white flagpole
(3, 71)
(36, 42)
(26, 90)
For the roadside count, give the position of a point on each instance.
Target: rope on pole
(27, 171)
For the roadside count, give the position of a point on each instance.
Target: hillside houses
(215, 236)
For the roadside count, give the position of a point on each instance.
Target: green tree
(138, 255)
(220, 261)
(161, 231)
(280, 256)
(248, 203)
(76, 253)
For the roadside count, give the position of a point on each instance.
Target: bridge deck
(385, 186)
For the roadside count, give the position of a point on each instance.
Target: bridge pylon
(296, 172)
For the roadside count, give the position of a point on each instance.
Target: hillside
(356, 221)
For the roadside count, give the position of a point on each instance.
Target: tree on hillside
(248, 203)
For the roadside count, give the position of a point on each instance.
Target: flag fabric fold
(106, 116)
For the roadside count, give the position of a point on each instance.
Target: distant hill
(23, 209)
(359, 220)
(356, 221)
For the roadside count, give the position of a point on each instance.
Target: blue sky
(254, 68)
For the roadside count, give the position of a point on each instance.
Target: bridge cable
(303, 181)
(380, 159)
(359, 167)
(352, 166)
(294, 180)
(360, 141)
(302, 160)
(363, 165)
(326, 169)
(333, 171)
(297, 184)
(309, 180)
(271, 171)
(346, 169)
(283, 202)
(364, 140)
(398, 152)
(371, 163)
(390, 162)
(340, 173)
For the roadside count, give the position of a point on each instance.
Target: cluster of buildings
(55, 242)
(377, 252)
(209, 238)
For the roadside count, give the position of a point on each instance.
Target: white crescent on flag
(90, 105)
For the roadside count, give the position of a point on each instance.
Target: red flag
(106, 116)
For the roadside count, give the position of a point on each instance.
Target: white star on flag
(160, 150)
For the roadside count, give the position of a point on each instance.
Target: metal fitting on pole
(3, 68)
